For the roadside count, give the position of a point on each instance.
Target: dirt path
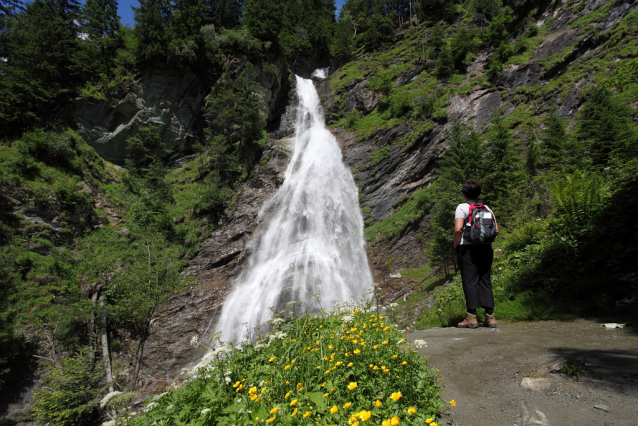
(483, 370)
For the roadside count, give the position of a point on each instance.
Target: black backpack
(480, 227)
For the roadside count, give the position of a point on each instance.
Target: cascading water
(309, 247)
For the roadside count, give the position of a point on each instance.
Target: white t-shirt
(463, 211)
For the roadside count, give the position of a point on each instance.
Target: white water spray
(309, 247)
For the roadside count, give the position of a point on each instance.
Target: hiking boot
(469, 321)
(490, 321)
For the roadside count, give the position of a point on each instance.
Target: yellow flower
(326, 395)
(306, 414)
(375, 346)
(347, 405)
(394, 421)
(252, 390)
(353, 386)
(364, 415)
(338, 363)
(395, 356)
(334, 409)
(287, 367)
(274, 410)
(295, 411)
(287, 395)
(377, 403)
(385, 423)
(412, 410)
(404, 362)
(270, 420)
(299, 385)
(293, 402)
(293, 361)
(396, 396)
(351, 364)
(428, 421)
(434, 424)
(272, 358)
(357, 351)
(453, 403)
(287, 383)
(237, 384)
(318, 367)
(326, 372)
(385, 342)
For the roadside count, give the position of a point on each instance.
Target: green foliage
(605, 127)
(308, 369)
(342, 41)
(554, 141)
(71, 393)
(39, 73)
(503, 175)
(578, 198)
(380, 154)
(573, 368)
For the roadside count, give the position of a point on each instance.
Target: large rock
(169, 99)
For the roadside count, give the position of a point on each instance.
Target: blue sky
(126, 13)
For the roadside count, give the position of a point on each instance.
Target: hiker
(475, 228)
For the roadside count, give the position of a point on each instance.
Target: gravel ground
(483, 370)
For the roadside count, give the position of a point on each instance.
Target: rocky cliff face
(169, 99)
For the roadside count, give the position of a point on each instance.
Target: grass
(411, 211)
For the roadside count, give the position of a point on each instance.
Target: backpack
(480, 227)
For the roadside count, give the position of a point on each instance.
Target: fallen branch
(44, 358)
(402, 292)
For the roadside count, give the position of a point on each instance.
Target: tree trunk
(138, 361)
(106, 355)
(92, 329)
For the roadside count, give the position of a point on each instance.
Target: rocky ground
(486, 372)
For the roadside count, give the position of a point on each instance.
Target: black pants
(476, 264)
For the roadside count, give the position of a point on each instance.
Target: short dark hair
(471, 190)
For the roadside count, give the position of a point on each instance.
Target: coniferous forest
(90, 250)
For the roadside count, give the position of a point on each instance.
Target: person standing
(475, 261)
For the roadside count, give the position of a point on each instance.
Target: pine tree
(264, 19)
(225, 13)
(42, 71)
(153, 32)
(342, 41)
(502, 166)
(101, 25)
(554, 139)
(604, 126)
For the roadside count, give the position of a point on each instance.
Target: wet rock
(602, 407)
(536, 384)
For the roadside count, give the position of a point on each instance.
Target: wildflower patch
(354, 369)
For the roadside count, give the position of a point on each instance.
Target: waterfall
(309, 246)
